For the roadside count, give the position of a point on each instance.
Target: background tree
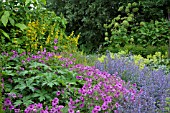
(88, 16)
(162, 6)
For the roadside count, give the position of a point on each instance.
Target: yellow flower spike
(35, 45)
(29, 31)
(41, 48)
(56, 36)
(57, 56)
(33, 38)
(72, 33)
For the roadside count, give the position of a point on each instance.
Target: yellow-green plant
(42, 33)
(138, 59)
(118, 28)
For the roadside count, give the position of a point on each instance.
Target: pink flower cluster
(101, 91)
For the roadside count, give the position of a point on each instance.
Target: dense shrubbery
(136, 49)
(125, 29)
(37, 30)
(81, 15)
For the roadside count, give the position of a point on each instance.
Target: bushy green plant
(1, 86)
(118, 30)
(37, 77)
(125, 29)
(86, 17)
(37, 30)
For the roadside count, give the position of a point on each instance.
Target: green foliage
(37, 30)
(38, 81)
(12, 22)
(1, 88)
(125, 29)
(86, 17)
(155, 33)
(118, 30)
(168, 104)
(138, 49)
(153, 9)
(144, 51)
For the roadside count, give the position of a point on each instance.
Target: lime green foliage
(125, 29)
(118, 28)
(168, 104)
(144, 51)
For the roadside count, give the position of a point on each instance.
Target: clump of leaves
(38, 76)
(125, 29)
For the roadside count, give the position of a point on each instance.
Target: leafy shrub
(1, 87)
(37, 77)
(37, 31)
(125, 29)
(86, 17)
(137, 49)
(154, 83)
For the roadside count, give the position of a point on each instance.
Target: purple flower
(70, 111)
(104, 106)
(7, 102)
(60, 107)
(19, 95)
(95, 111)
(28, 59)
(23, 61)
(39, 106)
(55, 41)
(53, 110)
(55, 102)
(11, 107)
(17, 110)
(79, 77)
(98, 108)
(58, 93)
(55, 47)
(117, 104)
(81, 105)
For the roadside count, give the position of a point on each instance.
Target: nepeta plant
(154, 83)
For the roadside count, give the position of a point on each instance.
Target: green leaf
(5, 34)
(5, 18)
(11, 21)
(50, 84)
(18, 102)
(27, 100)
(21, 26)
(23, 73)
(36, 95)
(27, 2)
(8, 72)
(41, 98)
(43, 1)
